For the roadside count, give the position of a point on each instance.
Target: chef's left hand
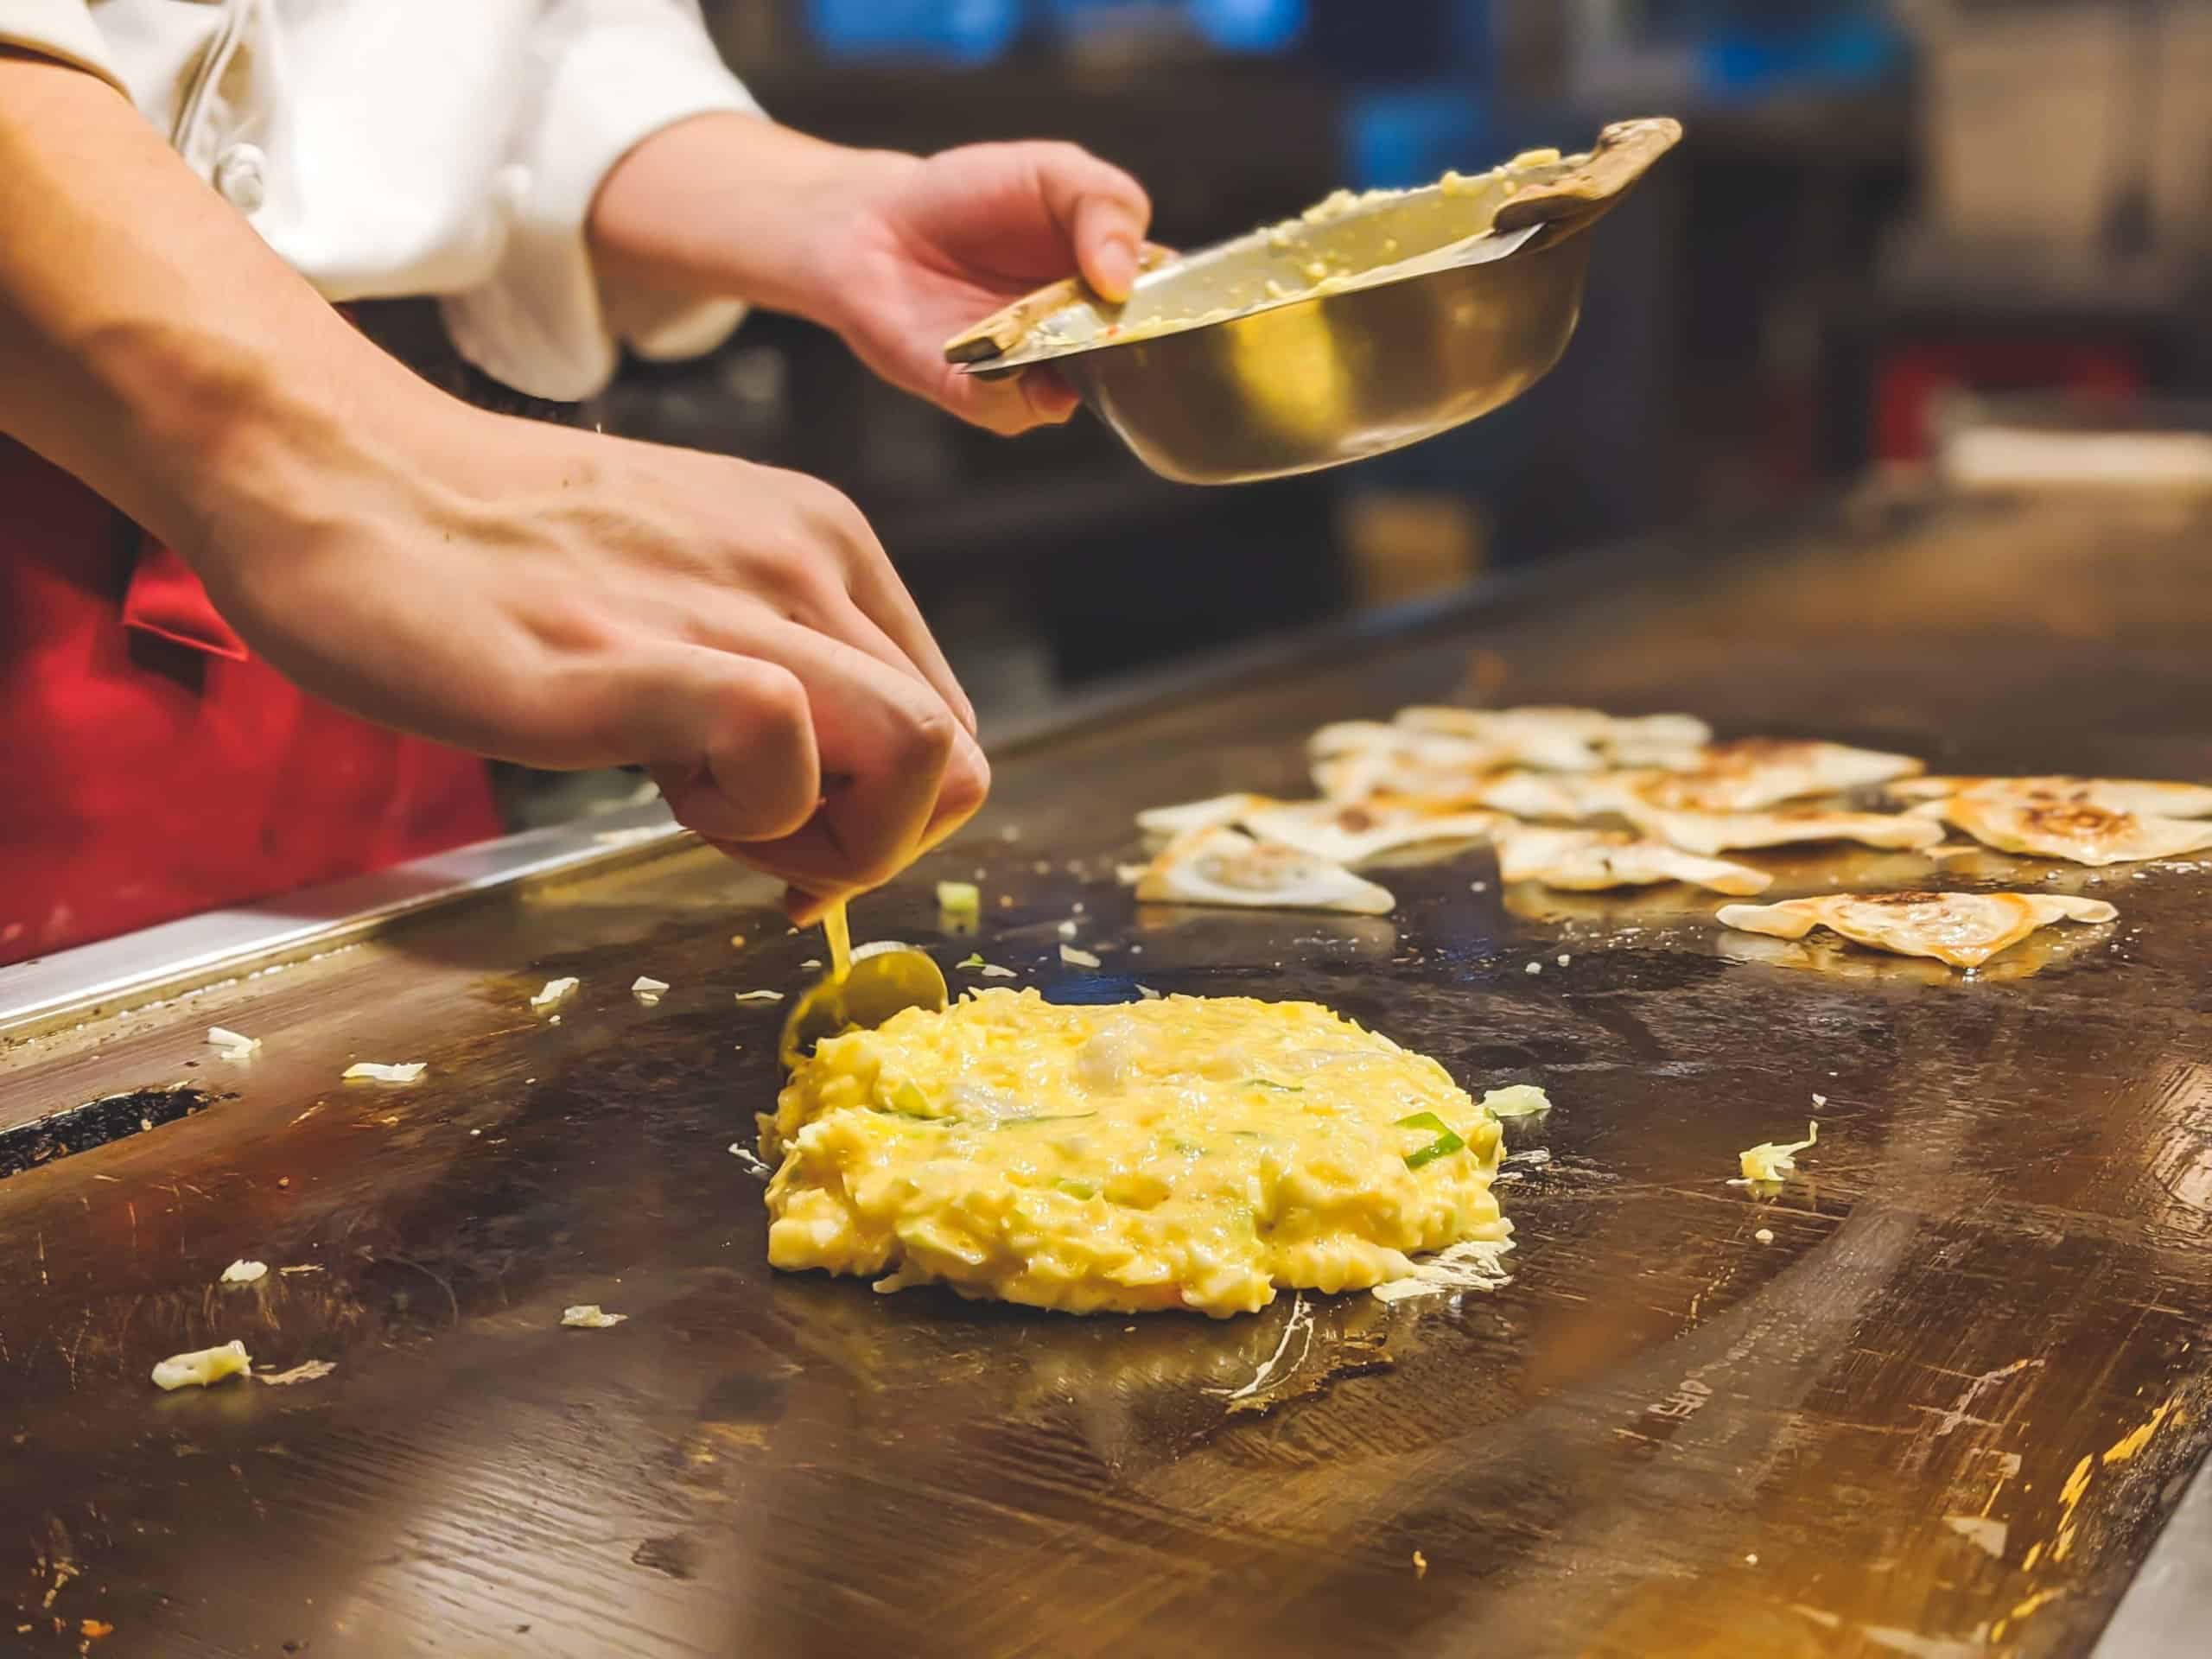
(932, 246)
(897, 253)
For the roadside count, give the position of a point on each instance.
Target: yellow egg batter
(1189, 1151)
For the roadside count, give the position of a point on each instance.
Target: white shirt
(449, 147)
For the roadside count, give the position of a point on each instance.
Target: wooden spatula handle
(1624, 151)
(1004, 329)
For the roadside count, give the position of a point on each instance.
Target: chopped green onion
(1269, 1083)
(1446, 1143)
(1442, 1146)
(1077, 1189)
(1049, 1117)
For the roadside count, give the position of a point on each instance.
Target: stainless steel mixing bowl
(1367, 324)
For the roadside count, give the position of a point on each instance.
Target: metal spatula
(858, 993)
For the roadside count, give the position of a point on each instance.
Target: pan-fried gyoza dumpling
(1962, 929)
(1720, 832)
(1348, 833)
(1660, 753)
(1200, 815)
(1752, 774)
(1570, 795)
(1592, 725)
(2078, 830)
(1588, 860)
(1435, 749)
(1354, 758)
(2114, 794)
(1358, 774)
(1557, 739)
(1222, 866)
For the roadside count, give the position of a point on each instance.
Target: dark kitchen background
(1877, 206)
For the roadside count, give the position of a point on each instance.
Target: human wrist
(735, 206)
(247, 453)
(831, 234)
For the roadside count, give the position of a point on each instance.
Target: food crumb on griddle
(589, 1317)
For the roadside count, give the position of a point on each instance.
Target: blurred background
(1880, 204)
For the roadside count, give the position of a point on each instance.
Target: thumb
(1106, 234)
(1102, 211)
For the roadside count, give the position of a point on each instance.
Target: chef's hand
(566, 601)
(897, 253)
(932, 248)
(550, 597)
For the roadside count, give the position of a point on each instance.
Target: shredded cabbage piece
(1516, 1100)
(588, 1316)
(201, 1368)
(960, 901)
(1471, 1264)
(310, 1371)
(1079, 958)
(554, 990)
(1772, 1160)
(244, 1272)
(369, 1069)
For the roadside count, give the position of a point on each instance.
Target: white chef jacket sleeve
(58, 28)
(614, 72)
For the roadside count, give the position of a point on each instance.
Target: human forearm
(150, 343)
(735, 206)
(556, 598)
(894, 252)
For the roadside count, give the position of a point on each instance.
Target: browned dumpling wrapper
(1571, 795)
(2114, 794)
(2075, 830)
(1200, 815)
(1354, 758)
(1360, 774)
(1751, 773)
(1350, 832)
(1223, 865)
(1551, 739)
(1962, 929)
(1719, 832)
(1436, 748)
(1590, 861)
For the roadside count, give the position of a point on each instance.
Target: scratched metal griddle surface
(1943, 1411)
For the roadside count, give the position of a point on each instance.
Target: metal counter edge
(96, 981)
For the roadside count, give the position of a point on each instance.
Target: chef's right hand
(565, 600)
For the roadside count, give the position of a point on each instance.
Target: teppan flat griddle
(1946, 1411)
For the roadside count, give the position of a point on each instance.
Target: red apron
(149, 766)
